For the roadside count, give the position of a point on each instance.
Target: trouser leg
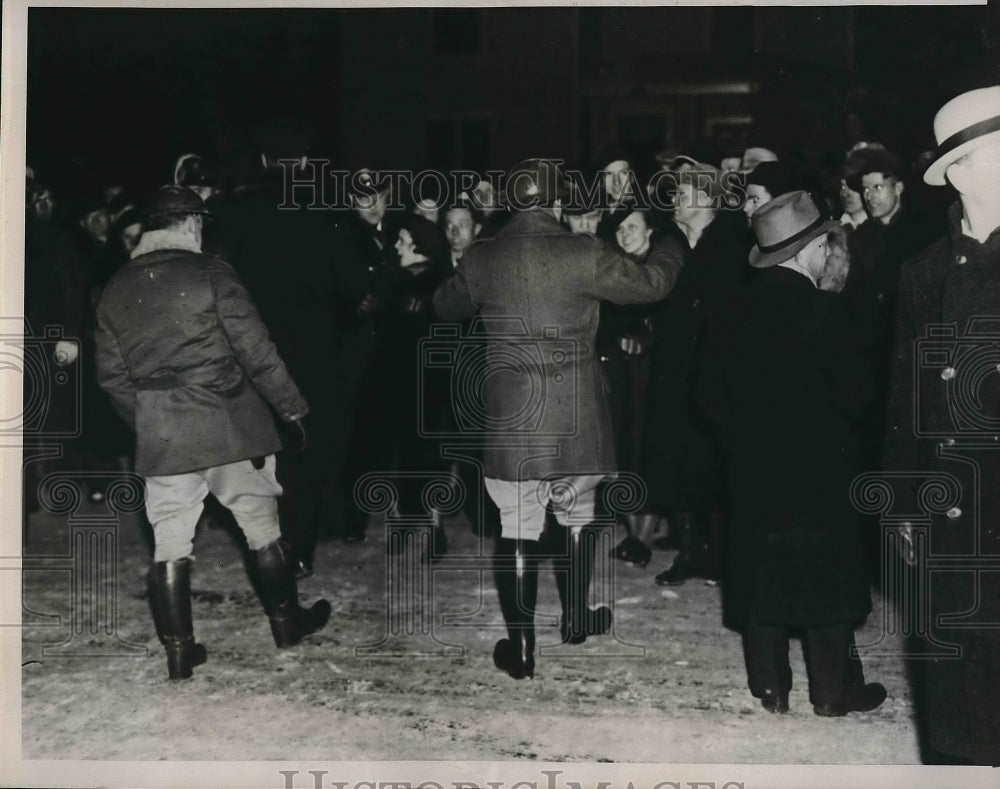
(174, 504)
(249, 490)
(834, 676)
(765, 649)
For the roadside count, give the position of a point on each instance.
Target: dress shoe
(680, 571)
(633, 551)
(775, 702)
(868, 698)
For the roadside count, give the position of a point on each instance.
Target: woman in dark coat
(623, 344)
(406, 288)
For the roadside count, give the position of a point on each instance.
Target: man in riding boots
(537, 289)
(187, 362)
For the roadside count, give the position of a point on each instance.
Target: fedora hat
(784, 226)
(964, 123)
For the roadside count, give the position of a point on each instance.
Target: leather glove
(295, 435)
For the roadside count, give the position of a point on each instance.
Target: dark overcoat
(188, 363)
(628, 376)
(537, 288)
(680, 457)
(778, 382)
(943, 417)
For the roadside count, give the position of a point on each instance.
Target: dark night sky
(110, 89)
(115, 95)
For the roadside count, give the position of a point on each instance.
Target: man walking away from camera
(186, 360)
(538, 275)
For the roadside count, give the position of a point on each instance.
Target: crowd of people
(745, 358)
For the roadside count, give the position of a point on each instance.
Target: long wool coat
(944, 418)
(680, 457)
(779, 382)
(188, 363)
(537, 289)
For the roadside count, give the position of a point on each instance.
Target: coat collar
(156, 240)
(535, 221)
(991, 246)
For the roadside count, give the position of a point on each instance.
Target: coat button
(947, 373)
(961, 260)
(954, 513)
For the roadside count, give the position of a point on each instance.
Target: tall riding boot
(573, 580)
(170, 600)
(517, 588)
(290, 623)
(688, 562)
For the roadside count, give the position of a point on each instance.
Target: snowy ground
(668, 687)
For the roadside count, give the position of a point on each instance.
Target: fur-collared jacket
(187, 361)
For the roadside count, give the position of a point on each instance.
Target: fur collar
(155, 240)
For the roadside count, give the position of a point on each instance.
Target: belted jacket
(187, 361)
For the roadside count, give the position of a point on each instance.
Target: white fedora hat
(964, 123)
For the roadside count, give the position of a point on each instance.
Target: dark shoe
(691, 561)
(514, 658)
(680, 571)
(290, 623)
(633, 551)
(870, 697)
(170, 600)
(775, 702)
(516, 565)
(573, 575)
